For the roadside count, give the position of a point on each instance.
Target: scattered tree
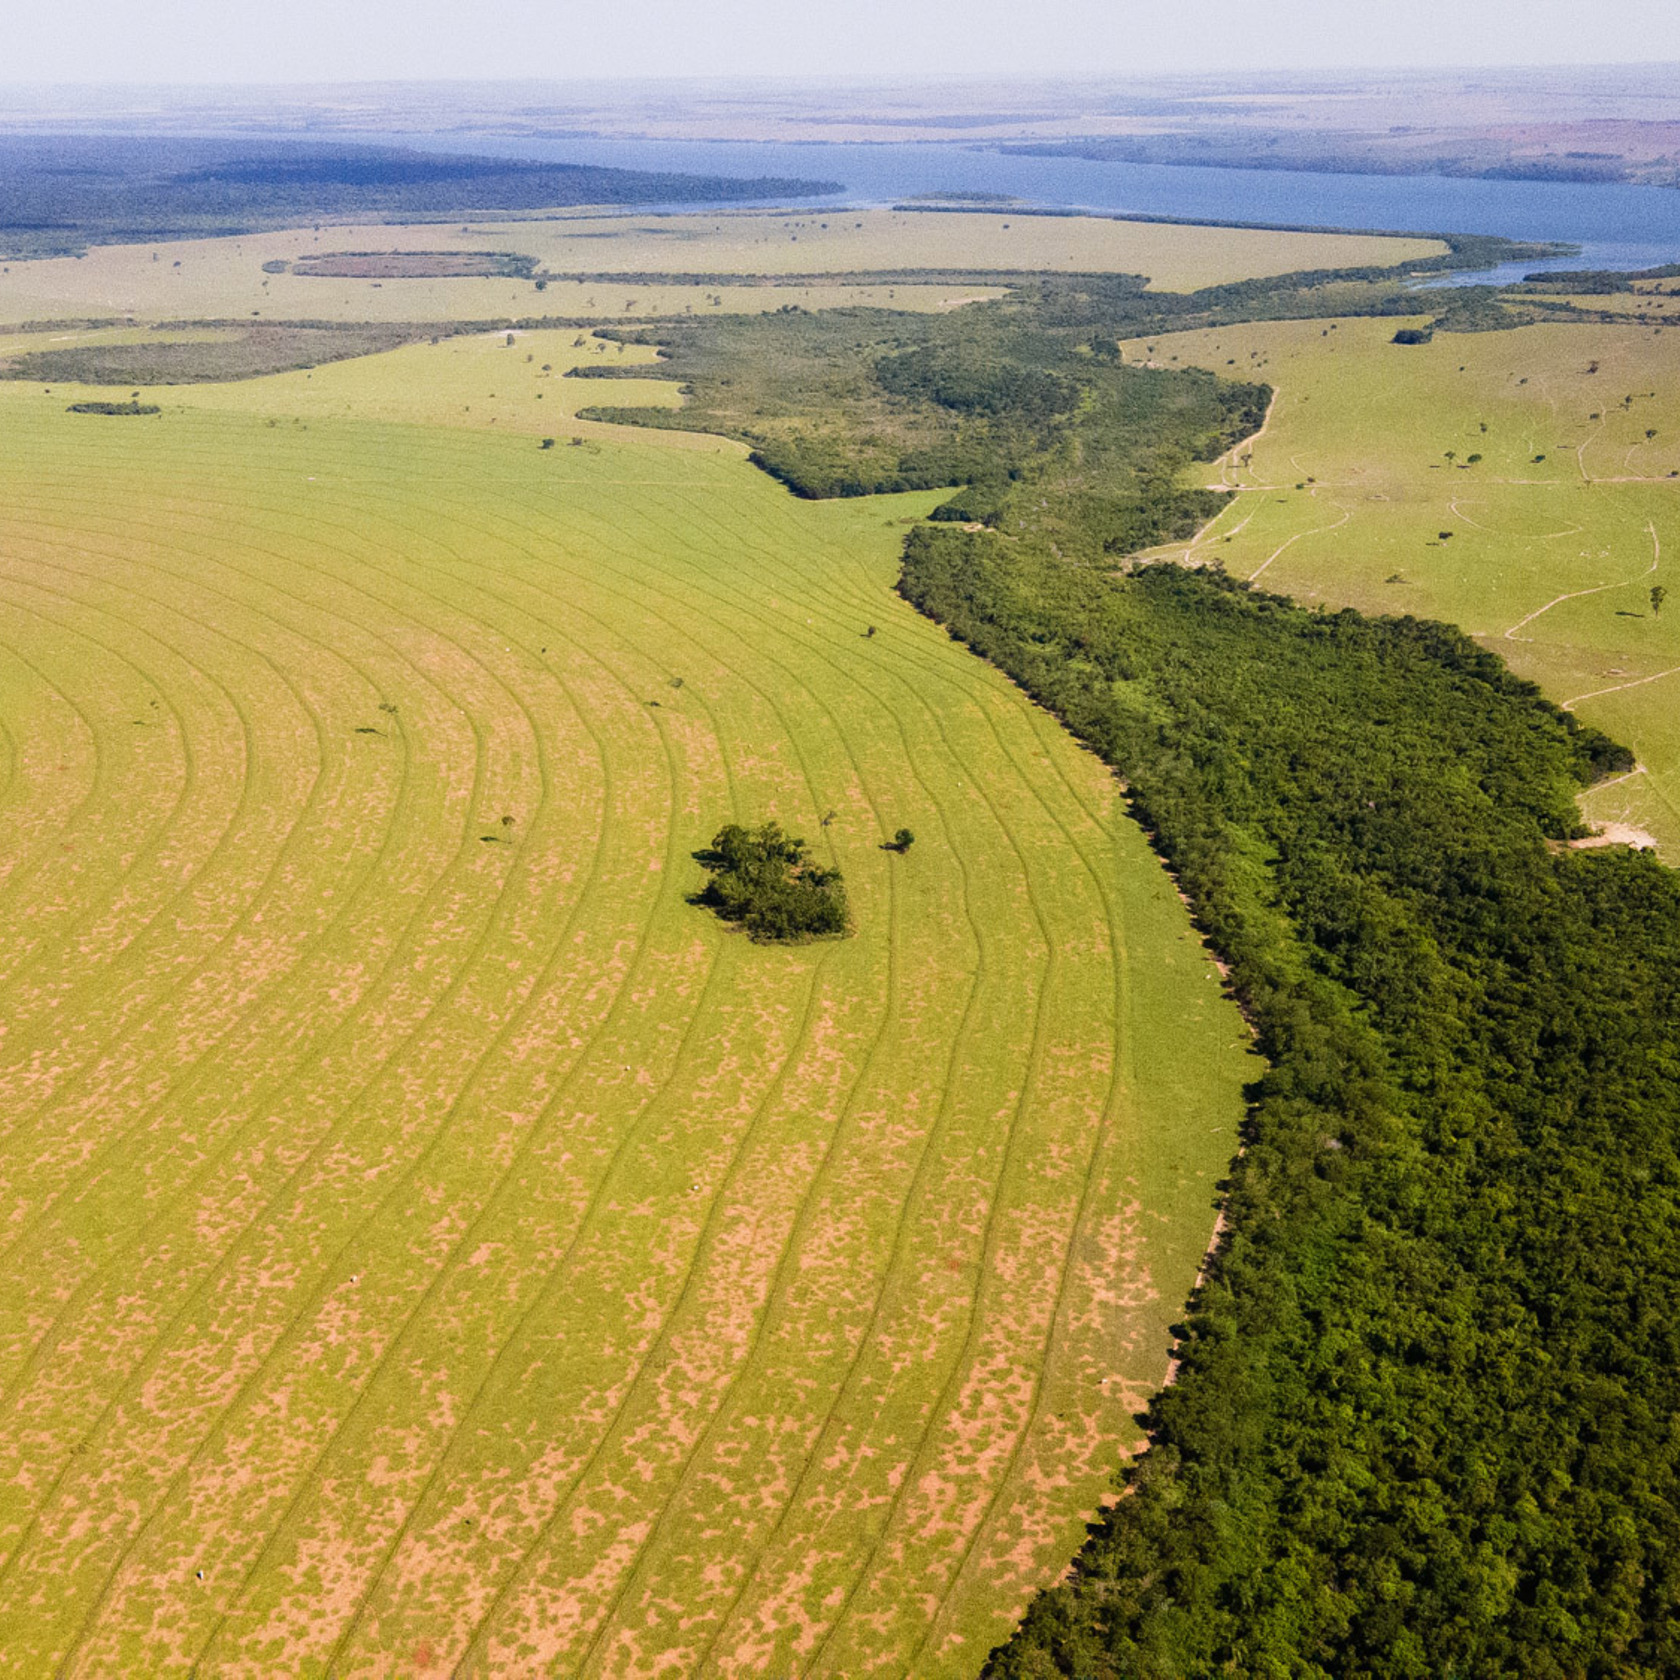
(1658, 596)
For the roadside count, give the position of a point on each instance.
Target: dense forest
(62, 193)
(1427, 1412)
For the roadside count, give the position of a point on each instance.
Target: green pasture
(433, 1245)
(473, 382)
(1557, 533)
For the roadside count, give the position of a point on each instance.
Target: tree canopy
(765, 879)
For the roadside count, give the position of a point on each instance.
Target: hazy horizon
(192, 43)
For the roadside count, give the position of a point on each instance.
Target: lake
(1616, 226)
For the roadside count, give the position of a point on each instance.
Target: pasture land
(224, 278)
(432, 1244)
(218, 280)
(1176, 257)
(468, 383)
(1362, 491)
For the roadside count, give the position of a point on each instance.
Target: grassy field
(1545, 548)
(434, 1245)
(467, 383)
(221, 278)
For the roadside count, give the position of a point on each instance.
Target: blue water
(1616, 226)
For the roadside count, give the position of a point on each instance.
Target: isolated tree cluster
(765, 879)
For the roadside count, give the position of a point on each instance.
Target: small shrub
(113, 408)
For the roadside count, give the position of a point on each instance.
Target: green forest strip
(1427, 1406)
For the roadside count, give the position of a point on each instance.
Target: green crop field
(1363, 490)
(434, 1245)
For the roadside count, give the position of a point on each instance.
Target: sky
(212, 41)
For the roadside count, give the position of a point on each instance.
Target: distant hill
(60, 194)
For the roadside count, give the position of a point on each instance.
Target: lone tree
(1658, 596)
(764, 879)
(903, 840)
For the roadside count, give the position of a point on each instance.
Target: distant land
(1629, 153)
(1571, 123)
(60, 194)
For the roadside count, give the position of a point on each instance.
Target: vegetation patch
(130, 407)
(413, 265)
(995, 399)
(766, 880)
(1004, 398)
(236, 353)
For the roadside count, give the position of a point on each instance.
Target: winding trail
(1616, 688)
(1284, 547)
(1578, 594)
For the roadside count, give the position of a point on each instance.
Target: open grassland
(432, 1244)
(1176, 258)
(1557, 533)
(474, 381)
(224, 278)
(1640, 302)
